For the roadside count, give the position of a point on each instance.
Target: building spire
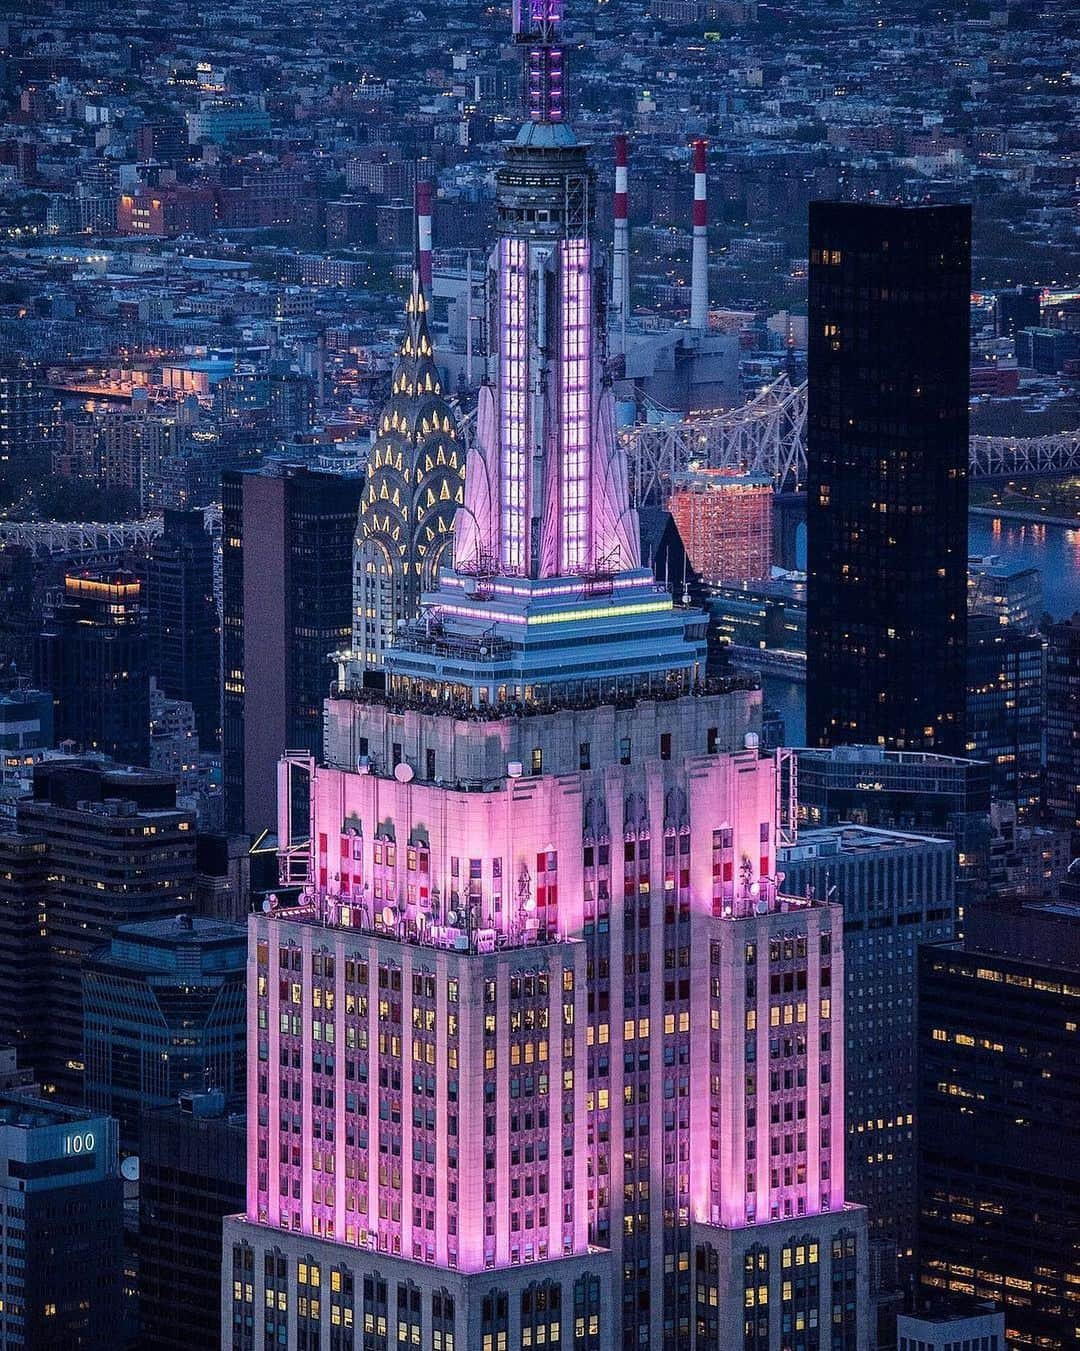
(536, 26)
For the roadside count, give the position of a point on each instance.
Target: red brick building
(164, 213)
(725, 522)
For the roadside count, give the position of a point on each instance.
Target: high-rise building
(1005, 711)
(29, 424)
(1026, 860)
(412, 489)
(93, 656)
(999, 1140)
(163, 1014)
(1017, 308)
(26, 720)
(117, 851)
(897, 891)
(182, 618)
(1062, 794)
(61, 1224)
(725, 520)
(1011, 593)
(887, 464)
(909, 791)
(979, 1329)
(192, 1158)
(544, 1054)
(287, 605)
(23, 989)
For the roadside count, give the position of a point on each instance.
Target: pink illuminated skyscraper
(544, 1057)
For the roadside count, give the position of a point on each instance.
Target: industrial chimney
(423, 235)
(699, 265)
(620, 278)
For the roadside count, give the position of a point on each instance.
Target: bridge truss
(1020, 456)
(74, 539)
(767, 436)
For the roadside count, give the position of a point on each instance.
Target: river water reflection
(1053, 549)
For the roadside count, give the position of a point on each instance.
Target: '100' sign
(82, 1142)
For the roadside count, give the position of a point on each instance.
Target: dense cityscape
(447, 453)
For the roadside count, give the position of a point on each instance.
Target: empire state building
(544, 1056)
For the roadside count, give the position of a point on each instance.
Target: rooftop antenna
(536, 24)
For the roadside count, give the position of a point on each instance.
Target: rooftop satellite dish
(269, 904)
(129, 1169)
(389, 916)
(403, 772)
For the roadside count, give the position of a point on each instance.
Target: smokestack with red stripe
(699, 264)
(620, 276)
(423, 235)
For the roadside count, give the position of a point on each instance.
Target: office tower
(191, 1174)
(412, 488)
(230, 872)
(1026, 860)
(93, 656)
(1012, 594)
(61, 1223)
(29, 424)
(1005, 711)
(897, 891)
(725, 520)
(887, 463)
(1063, 725)
(163, 1014)
(287, 605)
(976, 1328)
(999, 1139)
(117, 851)
(26, 720)
(182, 620)
(904, 790)
(24, 1013)
(1017, 308)
(543, 1055)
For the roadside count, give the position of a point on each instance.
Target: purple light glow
(575, 391)
(513, 389)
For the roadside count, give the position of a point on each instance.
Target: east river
(1053, 549)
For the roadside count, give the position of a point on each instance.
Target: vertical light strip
(513, 390)
(575, 401)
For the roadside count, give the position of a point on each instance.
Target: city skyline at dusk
(539, 609)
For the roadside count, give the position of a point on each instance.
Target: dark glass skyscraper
(999, 1127)
(93, 657)
(887, 452)
(183, 621)
(1063, 725)
(1005, 710)
(287, 605)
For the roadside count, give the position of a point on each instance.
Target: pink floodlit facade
(569, 1016)
(442, 948)
(540, 1053)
